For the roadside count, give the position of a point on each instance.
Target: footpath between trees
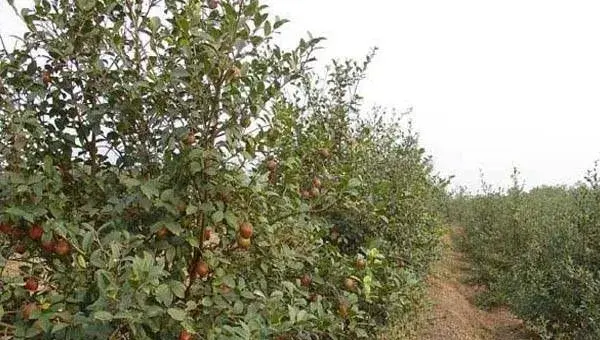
(454, 315)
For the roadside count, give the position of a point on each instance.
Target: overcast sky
(493, 84)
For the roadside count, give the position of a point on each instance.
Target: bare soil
(454, 315)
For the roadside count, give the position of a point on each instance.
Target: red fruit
(316, 182)
(201, 269)
(313, 297)
(185, 335)
(349, 284)
(6, 228)
(246, 230)
(162, 233)
(306, 280)
(49, 246)
(271, 165)
(207, 233)
(20, 248)
(244, 243)
(213, 4)
(190, 138)
(36, 232)
(324, 153)
(29, 309)
(46, 78)
(62, 247)
(31, 284)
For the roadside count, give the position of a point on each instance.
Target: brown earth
(454, 316)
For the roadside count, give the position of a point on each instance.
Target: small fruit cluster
(35, 232)
(315, 189)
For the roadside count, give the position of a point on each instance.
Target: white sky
(493, 83)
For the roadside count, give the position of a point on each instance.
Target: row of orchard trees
(167, 171)
(538, 251)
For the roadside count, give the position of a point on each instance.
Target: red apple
(62, 247)
(35, 232)
(31, 284)
(49, 246)
(246, 230)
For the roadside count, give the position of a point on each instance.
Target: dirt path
(454, 315)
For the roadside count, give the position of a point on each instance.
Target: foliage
(168, 170)
(537, 252)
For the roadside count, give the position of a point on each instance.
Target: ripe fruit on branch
(31, 284)
(244, 243)
(213, 4)
(349, 284)
(49, 246)
(361, 263)
(185, 335)
(62, 247)
(246, 229)
(306, 280)
(201, 269)
(162, 233)
(207, 233)
(46, 78)
(316, 182)
(324, 152)
(271, 165)
(20, 248)
(35, 232)
(190, 139)
(6, 228)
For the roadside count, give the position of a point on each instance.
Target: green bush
(180, 174)
(537, 251)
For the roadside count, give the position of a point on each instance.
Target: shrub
(536, 251)
(182, 175)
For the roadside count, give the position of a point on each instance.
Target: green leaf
(164, 295)
(177, 288)
(20, 213)
(191, 209)
(354, 182)
(129, 182)
(217, 216)
(59, 326)
(103, 316)
(86, 5)
(177, 314)
(238, 307)
(231, 219)
(150, 189)
(174, 227)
